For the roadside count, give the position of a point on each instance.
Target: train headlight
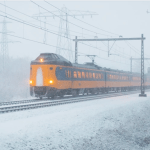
(41, 60)
(51, 81)
(30, 81)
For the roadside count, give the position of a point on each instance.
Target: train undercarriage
(45, 91)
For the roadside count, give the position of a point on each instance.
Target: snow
(118, 123)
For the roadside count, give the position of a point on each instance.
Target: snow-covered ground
(119, 123)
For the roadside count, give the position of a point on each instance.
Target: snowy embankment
(119, 123)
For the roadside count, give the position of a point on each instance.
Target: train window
(94, 75)
(83, 74)
(51, 68)
(108, 76)
(99, 75)
(87, 75)
(90, 75)
(79, 74)
(56, 56)
(75, 74)
(102, 76)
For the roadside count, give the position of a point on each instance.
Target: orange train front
(52, 75)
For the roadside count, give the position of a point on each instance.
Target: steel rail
(38, 100)
(54, 103)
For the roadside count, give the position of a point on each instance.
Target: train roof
(52, 58)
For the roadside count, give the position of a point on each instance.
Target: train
(52, 75)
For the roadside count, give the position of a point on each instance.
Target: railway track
(38, 100)
(48, 103)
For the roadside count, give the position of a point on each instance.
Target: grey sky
(128, 19)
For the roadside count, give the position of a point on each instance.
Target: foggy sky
(128, 19)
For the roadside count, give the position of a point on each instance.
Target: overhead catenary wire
(83, 21)
(81, 43)
(56, 33)
(115, 49)
(132, 48)
(24, 22)
(35, 26)
(56, 46)
(64, 19)
(44, 21)
(38, 27)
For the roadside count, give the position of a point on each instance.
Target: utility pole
(76, 51)
(142, 69)
(4, 52)
(63, 39)
(123, 39)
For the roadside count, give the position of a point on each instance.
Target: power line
(43, 21)
(35, 26)
(49, 31)
(132, 48)
(116, 50)
(83, 21)
(57, 47)
(39, 27)
(62, 18)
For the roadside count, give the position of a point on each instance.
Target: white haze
(128, 19)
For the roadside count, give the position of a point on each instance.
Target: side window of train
(79, 74)
(75, 74)
(90, 75)
(83, 74)
(87, 75)
(110, 76)
(94, 75)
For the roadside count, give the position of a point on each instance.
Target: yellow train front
(43, 80)
(52, 75)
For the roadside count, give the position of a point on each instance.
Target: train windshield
(47, 57)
